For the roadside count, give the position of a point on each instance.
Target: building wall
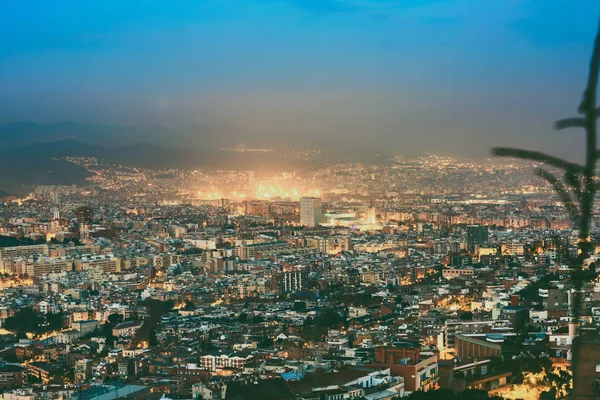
(310, 211)
(290, 281)
(23, 251)
(412, 369)
(85, 327)
(469, 348)
(586, 383)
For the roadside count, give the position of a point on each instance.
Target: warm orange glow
(531, 388)
(277, 185)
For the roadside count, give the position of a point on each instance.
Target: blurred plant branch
(578, 188)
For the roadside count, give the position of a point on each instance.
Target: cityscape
(354, 281)
(299, 200)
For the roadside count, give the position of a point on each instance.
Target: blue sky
(465, 74)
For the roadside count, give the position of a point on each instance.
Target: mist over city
(418, 76)
(299, 200)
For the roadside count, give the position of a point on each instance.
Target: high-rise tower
(310, 211)
(84, 214)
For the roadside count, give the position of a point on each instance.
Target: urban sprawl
(338, 282)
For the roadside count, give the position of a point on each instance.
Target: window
(597, 367)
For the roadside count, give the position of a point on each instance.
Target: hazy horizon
(434, 76)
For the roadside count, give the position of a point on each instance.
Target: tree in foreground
(448, 394)
(578, 186)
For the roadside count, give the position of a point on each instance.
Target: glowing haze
(422, 75)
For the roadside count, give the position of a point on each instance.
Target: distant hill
(17, 175)
(200, 145)
(40, 164)
(142, 155)
(21, 134)
(30, 151)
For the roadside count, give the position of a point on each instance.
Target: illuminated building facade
(310, 211)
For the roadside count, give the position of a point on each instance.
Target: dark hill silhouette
(206, 142)
(137, 155)
(43, 163)
(21, 134)
(17, 175)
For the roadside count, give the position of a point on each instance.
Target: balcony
(429, 383)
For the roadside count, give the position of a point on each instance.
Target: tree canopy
(447, 394)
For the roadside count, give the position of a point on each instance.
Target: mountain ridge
(44, 164)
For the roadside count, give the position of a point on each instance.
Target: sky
(449, 76)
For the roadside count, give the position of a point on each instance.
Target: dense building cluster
(430, 273)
